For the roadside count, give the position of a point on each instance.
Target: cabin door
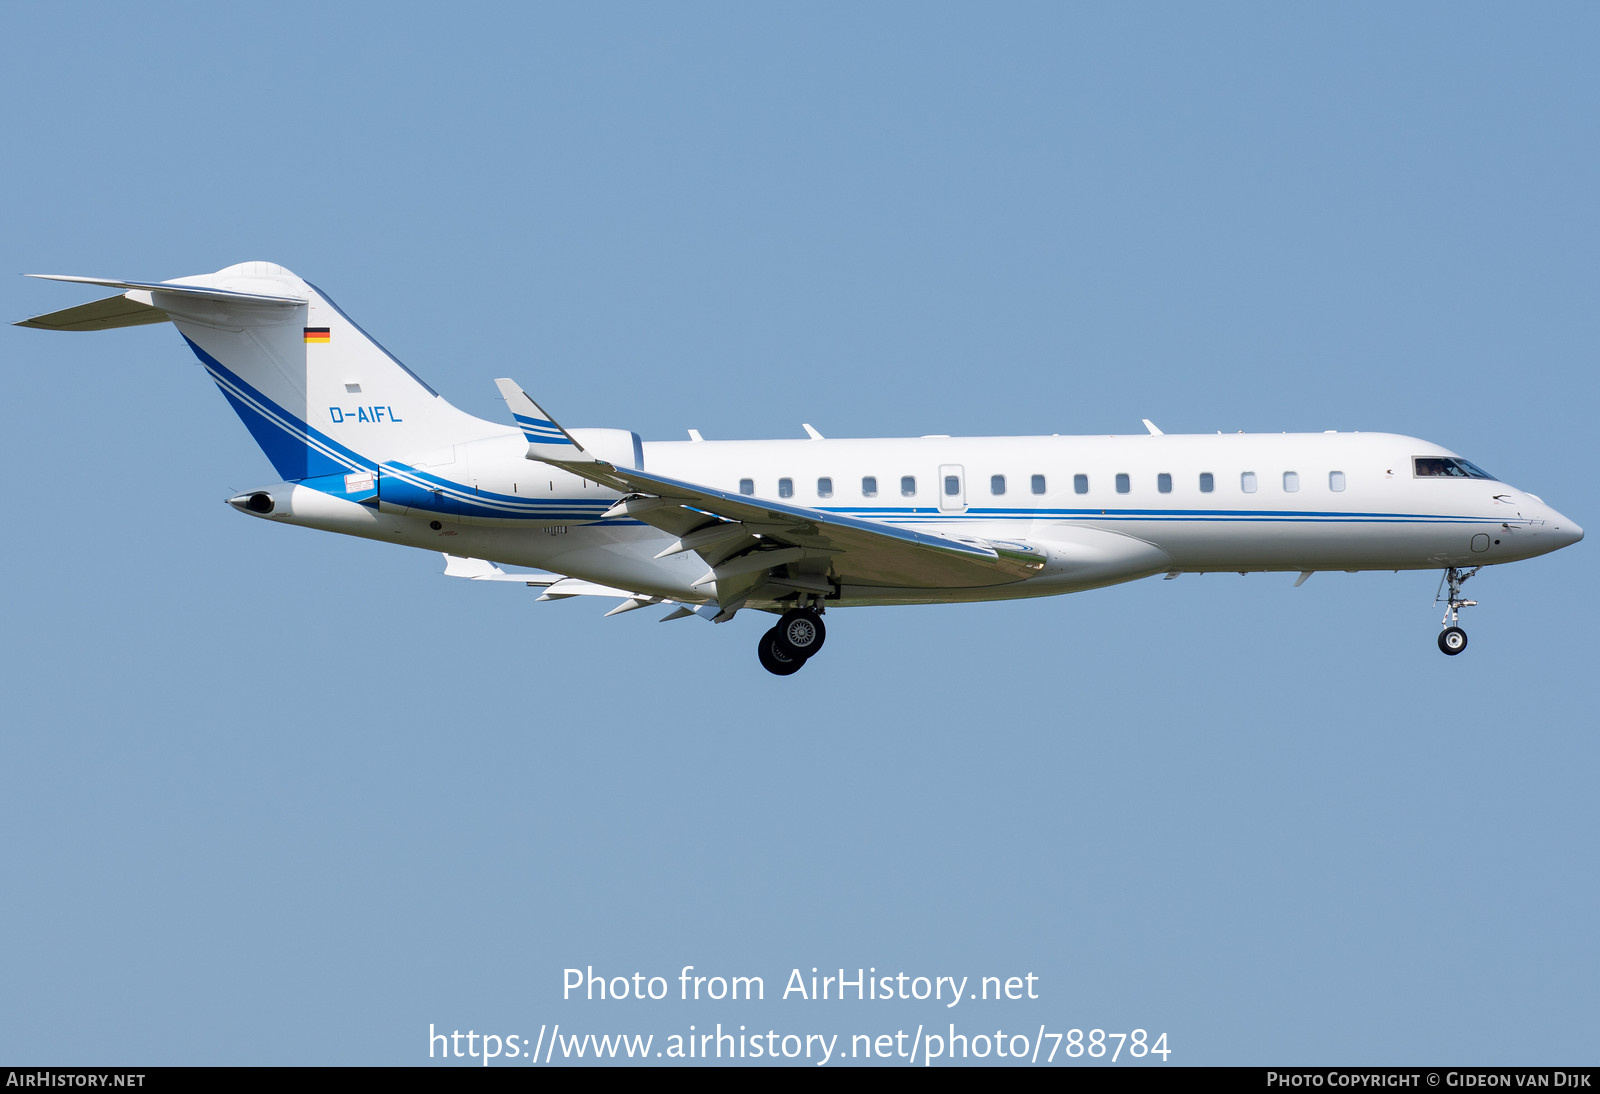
(952, 488)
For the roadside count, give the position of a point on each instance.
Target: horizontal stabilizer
(136, 306)
(113, 311)
(196, 291)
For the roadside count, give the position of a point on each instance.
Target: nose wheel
(786, 648)
(1452, 640)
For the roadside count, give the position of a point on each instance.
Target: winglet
(546, 439)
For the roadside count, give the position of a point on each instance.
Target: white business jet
(793, 527)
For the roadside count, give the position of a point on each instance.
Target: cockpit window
(1447, 467)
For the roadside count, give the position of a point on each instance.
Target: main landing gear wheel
(775, 660)
(800, 633)
(1452, 640)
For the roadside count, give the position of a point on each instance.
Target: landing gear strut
(798, 636)
(1452, 640)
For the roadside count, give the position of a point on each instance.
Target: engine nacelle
(618, 447)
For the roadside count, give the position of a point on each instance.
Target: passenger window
(824, 488)
(1336, 481)
(908, 486)
(997, 484)
(869, 486)
(1038, 484)
(952, 486)
(1207, 483)
(747, 486)
(1291, 482)
(785, 488)
(1123, 486)
(1080, 484)
(1247, 482)
(1164, 483)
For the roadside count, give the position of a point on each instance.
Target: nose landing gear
(1452, 640)
(798, 636)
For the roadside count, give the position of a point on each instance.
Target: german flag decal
(317, 334)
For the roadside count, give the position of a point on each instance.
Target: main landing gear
(1452, 640)
(798, 636)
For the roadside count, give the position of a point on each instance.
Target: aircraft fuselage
(1104, 508)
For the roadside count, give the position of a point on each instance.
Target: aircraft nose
(1563, 531)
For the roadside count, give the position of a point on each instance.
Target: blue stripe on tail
(295, 449)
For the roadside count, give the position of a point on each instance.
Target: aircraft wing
(758, 548)
(560, 587)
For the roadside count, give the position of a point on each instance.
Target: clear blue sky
(273, 796)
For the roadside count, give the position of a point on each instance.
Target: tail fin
(317, 393)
